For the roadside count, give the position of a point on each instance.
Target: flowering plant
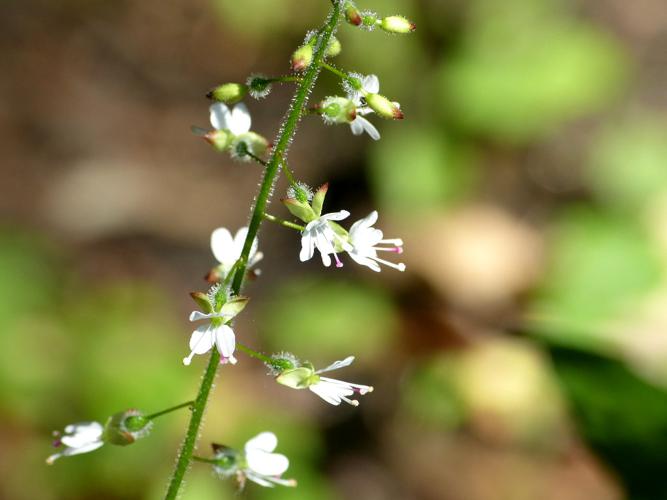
(237, 255)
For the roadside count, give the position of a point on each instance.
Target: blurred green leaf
(415, 169)
(525, 67)
(621, 416)
(628, 165)
(600, 266)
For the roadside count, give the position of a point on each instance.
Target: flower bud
(259, 86)
(282, 362)
(384, 107)
(352, 14)
(126, 427)
(302, 57)
(300, 192)
(219, 139)
(397, 24)
(334, 48)
(299, 209)
(369, 20)
(229, 93)
(250, 142)
(338, 110)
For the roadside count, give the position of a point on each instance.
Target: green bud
(229, 93)
(300, 209)
(302, 57)
(219, 139)
(334, 48)
(297, 378)
(318, 198)
(369, 21)
(397, 24)
(126, 427)
(384, 107)
(352, 14)
(338, 110)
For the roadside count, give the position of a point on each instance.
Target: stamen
(396, 241)
(338, 262)
(400, 266)
(352, 402)
(390, 249)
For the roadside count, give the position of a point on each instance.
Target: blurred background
(523, 354)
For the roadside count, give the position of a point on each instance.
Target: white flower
(263, 466)
(334, 391)
(237, 121)
(319, 234)
(360, 124)
(205, 336)
(227, 250)
(331, 390)
(369, 84)
(78, 438)
(367, 241)
(257, 463)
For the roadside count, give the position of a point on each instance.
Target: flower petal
(335, 215)
(222, 246)
(356, 126)
(265, 441)
(202, 339)
(225, 341)
(371, 84)
(267, 464)
(240, 122)
(220, 116)
(369, 128)
(337, 364)
(307, 247)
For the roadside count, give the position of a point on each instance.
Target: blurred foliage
(525, 67)
(623, 417)
(627, 165)
(601, 266)
(311, 317)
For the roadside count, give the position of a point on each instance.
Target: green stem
(286, 134)
(256, 158)
(283, 222)
(205, 460)
(335, 70)
(168, 410)
(289, 174)
(254, 354)
(286, 79)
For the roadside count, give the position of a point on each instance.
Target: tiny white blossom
(205, 336)
(257, 463)
(369, 84)
(367, 241)
(237, 121)
(334, 391)
(330, 390)
(319, 234)
(227, 250)
(78, 438)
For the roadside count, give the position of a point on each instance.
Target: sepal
(384, 107)
(229, 93)
(299, 209)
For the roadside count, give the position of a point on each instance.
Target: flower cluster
(322, 232)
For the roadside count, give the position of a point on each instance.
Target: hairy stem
(285, 223)
(285, 136)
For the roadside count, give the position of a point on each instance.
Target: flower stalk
(285, 136)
